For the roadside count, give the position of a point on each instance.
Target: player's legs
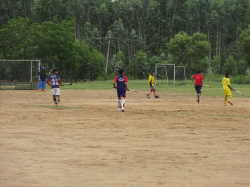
(57, 92)
(225, 100)
(39, 85)
(230, 97)
(54, 92)
(123, 96)
(43, 85)
(119, 101)
(149, 92)
(198, 91)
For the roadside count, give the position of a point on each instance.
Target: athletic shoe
(156, 97)
(230, 102)
(119, 109)
(148, 96)
(123, 110)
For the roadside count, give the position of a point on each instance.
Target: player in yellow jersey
(227, 89)
(151, 82)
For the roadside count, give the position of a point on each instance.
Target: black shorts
(198, 88)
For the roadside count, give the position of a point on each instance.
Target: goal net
(170, 74)
(19, 74)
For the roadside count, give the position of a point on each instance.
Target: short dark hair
(53, 71)
(121, 71)
(152, 71)
(199, 71)
(226, 74)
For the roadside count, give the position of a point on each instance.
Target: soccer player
(121, 87)
(151, 82)
(227, 89)
(54, 82)
(198, 84)
(42, 80)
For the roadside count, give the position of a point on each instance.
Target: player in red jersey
(198, 79)
(121, 87)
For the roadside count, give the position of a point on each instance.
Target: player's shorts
(198, 88)
(227, 92)
(41, 85)
(121, 94)
(152, 87)
(55, 91)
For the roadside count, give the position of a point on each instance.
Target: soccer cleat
(148, 96)
(230, 102)
(123, 110)
(156, 97)
(119, 109)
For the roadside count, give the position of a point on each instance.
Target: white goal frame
(165, 66)
(31, 61)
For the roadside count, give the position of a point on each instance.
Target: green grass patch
(215, 91)
(59, 107)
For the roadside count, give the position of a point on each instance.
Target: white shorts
(55, 91)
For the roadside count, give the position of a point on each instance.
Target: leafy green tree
(189, 50)
(244, 45)
(139, 68)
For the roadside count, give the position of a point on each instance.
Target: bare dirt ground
(171, 141)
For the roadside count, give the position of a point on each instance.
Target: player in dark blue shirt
(121, 87)
(54, 82)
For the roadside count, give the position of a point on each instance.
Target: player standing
(198, 84)
(121, 87)
(42, 80)
(54, 82)
(151, 82)
(227, 89)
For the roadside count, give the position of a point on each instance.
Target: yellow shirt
(152, 80)
(225, 82)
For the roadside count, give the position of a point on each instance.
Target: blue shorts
(41, 85)
(121, 94)
(198, 88)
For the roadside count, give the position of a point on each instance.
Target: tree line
(88, 39)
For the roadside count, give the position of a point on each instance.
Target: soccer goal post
(19, 74)
(170, 74)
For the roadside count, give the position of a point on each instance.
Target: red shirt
(198, 79)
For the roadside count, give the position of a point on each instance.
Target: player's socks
(119, 105)
(123, 105)
(58, 98)
(54, 99)
(149, 92)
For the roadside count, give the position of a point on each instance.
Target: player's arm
(126, 86)
(125, 83)
(192, 79)
(230, 87)
(115, 81)
(48, 82)
(60, 82)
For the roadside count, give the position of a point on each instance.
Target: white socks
(119, 104)
(123, 104)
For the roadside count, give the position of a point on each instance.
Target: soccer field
(171, 141)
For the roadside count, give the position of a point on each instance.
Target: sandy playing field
(171, 141)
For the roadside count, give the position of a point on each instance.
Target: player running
(121, 87)
(227, 89)
(151, 82)
(198, 84)
(54, 82)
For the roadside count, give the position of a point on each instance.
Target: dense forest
(92, 39)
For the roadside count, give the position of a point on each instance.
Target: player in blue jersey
(54, 82)
(121, 87)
